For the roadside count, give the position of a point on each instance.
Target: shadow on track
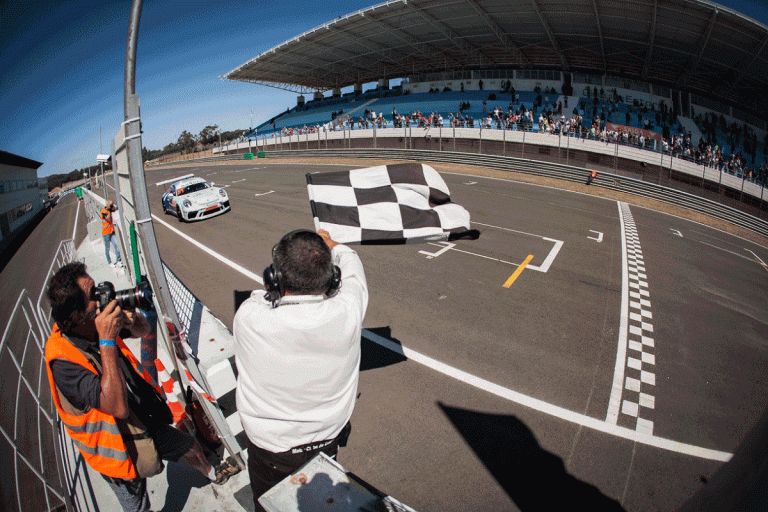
(374, 355)
(13, 241)
(532, 477)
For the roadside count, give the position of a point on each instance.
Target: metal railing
(46, 460)
(65, 253)
(184, 301)
(610, 181)
(29, 425)
(628, 169)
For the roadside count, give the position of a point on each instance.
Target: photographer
(297, 351)
(108, 233)
(104, 397)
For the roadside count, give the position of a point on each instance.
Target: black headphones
(273, 278)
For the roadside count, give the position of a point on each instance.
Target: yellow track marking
(518, 271)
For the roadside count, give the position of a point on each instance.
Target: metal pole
(144, 225)
(405, 137)
(504, 141)
(567, 149)
(138, 184)
(480, 144)
(454, 137)
(440, 135)
(743, 179)
(670, 166)
(104, 182)
(522, 154)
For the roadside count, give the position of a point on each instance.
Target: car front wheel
(179, 215)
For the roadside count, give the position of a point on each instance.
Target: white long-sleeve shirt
(298, 364)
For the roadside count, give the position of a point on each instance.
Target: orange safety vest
(107, 226)
(101, 438)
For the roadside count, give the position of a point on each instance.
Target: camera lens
(135, 298)
(129, 299)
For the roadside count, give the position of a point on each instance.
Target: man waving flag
(387, 204)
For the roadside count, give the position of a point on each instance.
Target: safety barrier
(65, 253)
(609, 180)
(40, 462)
(552, 170)
(186, 304)
(48, 471)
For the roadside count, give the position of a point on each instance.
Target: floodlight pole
(144, 227)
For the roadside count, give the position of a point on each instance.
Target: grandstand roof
(689, 45)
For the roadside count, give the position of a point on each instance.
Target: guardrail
(65, 253)
(47, 472)
(611, 181)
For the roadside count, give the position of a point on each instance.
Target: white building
(20, 199)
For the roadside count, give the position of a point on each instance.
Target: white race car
(195, 199)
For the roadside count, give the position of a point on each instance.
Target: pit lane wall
(213, 359)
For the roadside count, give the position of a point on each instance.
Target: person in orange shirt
(108, 233)
(104, 397)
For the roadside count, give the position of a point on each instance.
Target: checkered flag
(387, 204)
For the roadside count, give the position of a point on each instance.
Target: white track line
(211, 252)
(621, 350)
(77, 215)
(547, 408)
(495, 389)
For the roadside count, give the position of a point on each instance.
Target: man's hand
(109, 321)
(327, 239)
(113, 399)
(137, 323)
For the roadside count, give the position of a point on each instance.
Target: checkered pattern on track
(638, 398)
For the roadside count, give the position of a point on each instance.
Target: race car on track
(195, 199)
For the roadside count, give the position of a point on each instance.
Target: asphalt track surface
(28, 263)
(503, 399)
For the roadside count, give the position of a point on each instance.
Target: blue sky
(62, 69)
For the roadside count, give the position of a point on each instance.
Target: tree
(186, 141)
(209, 134)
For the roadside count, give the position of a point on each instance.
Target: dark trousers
(266, 469)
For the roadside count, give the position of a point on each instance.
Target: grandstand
(691, 57)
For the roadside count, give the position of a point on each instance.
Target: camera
(131, 299)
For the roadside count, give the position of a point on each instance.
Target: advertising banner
(633, 131)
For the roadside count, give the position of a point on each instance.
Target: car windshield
(192, 188)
